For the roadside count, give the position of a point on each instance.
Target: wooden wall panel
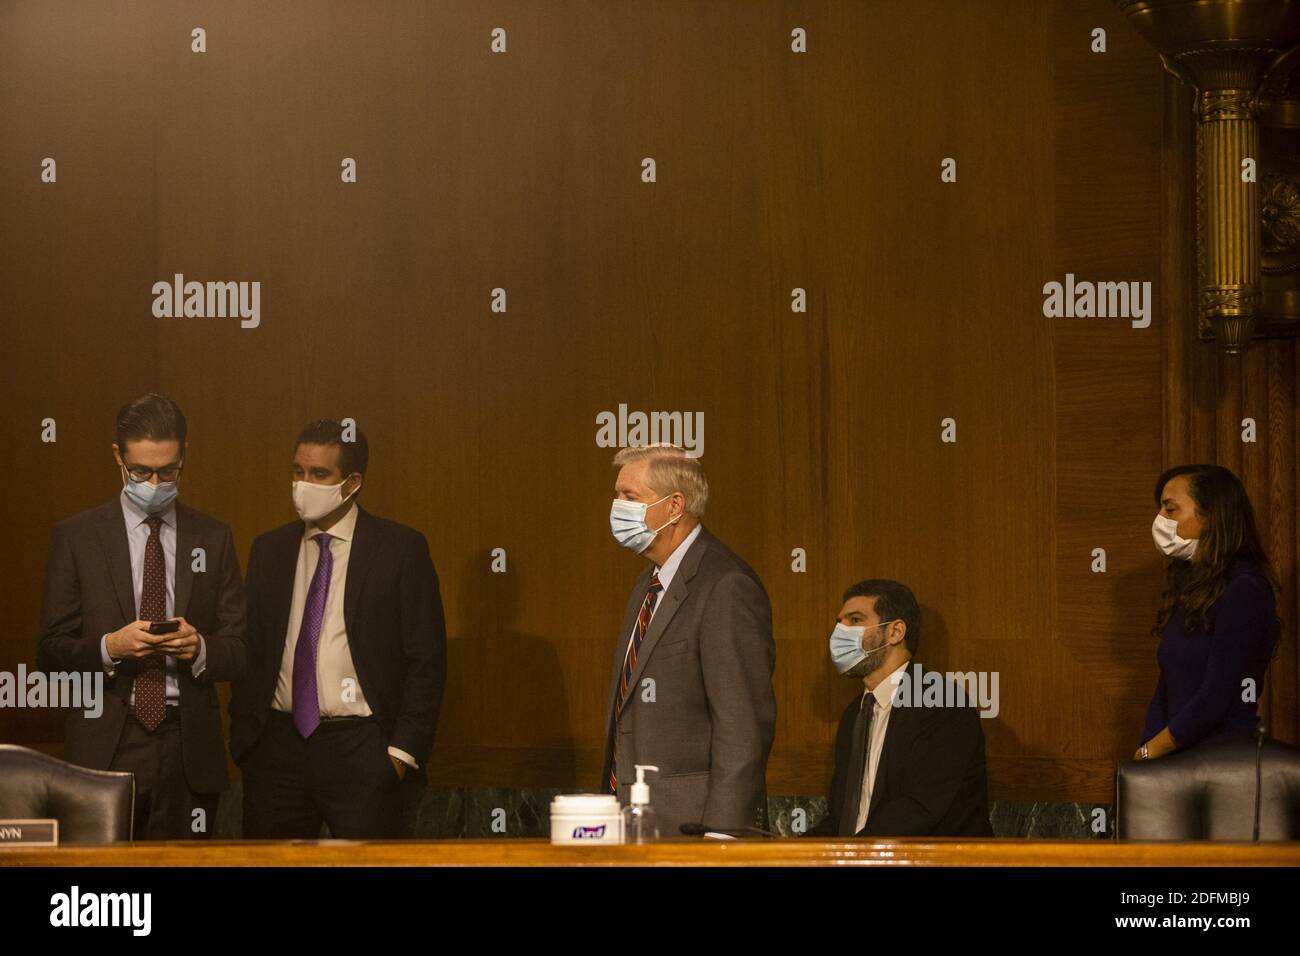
(73, 340)
(775, 171)
(1107, 402)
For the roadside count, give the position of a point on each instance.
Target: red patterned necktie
(150, 684)
(629, 663)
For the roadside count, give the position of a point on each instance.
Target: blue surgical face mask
(846, 646)
(152, 499)
(627, 522)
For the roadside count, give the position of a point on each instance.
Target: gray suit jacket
(700, 703)
(89, 592)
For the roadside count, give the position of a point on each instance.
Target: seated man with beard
(901, 769)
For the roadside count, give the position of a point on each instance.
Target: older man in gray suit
(691, 682)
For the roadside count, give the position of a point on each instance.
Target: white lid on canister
(585, 803)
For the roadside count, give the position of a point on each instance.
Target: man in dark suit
(346, 657)
(901, 768)
(691, 683)
(140, 558)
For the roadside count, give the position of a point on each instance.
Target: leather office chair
(92, 806)
(1207, 792)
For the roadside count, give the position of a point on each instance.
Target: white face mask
(1164, 531)
(627, 522)
(316, 501)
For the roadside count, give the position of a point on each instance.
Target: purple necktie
(306, 706)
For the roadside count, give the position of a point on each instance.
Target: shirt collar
(669, 568)
(343, 529)
(884, 691)
(136, 516)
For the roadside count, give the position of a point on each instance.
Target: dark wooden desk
(804, 852)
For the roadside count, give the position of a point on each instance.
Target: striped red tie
(629, 664)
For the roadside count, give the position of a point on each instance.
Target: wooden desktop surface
(793, 852)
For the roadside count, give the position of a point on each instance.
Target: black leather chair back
(92, 806)
(1207, 792)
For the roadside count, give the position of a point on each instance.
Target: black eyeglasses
(144, 473)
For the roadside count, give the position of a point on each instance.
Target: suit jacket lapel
(668, 603)
(620, 648)
(361, 555)
(900, 724)
(117, 557)
(186, 541)
(117, 554)
(283, 569)
(892, 732)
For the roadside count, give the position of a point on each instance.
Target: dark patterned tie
(860, 749)
(306, 702)
(150, 680)
(629, 664)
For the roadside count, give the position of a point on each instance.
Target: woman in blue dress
(1217, 623)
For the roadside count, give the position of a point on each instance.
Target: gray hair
(670, 470)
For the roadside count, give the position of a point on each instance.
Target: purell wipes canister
(586, 818)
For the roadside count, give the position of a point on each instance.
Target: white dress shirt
(338, 689)
(884, 694)
(137, 534)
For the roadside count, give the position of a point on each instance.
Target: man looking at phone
(148, 591)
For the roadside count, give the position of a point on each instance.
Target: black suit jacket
(930, 780)
(396, 634)
(89, 593)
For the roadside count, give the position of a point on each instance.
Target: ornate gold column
(1227, 50)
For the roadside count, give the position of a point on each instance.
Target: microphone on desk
(1261, 731)
(701, 829)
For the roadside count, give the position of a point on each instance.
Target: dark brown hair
(1229, 534)
(152, 418)
(353, 455)
(894, 601)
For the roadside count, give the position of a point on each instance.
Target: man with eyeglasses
(114, 573)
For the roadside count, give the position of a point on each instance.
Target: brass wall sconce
(1240, 57)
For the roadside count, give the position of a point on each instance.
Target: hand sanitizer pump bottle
(639, 823)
